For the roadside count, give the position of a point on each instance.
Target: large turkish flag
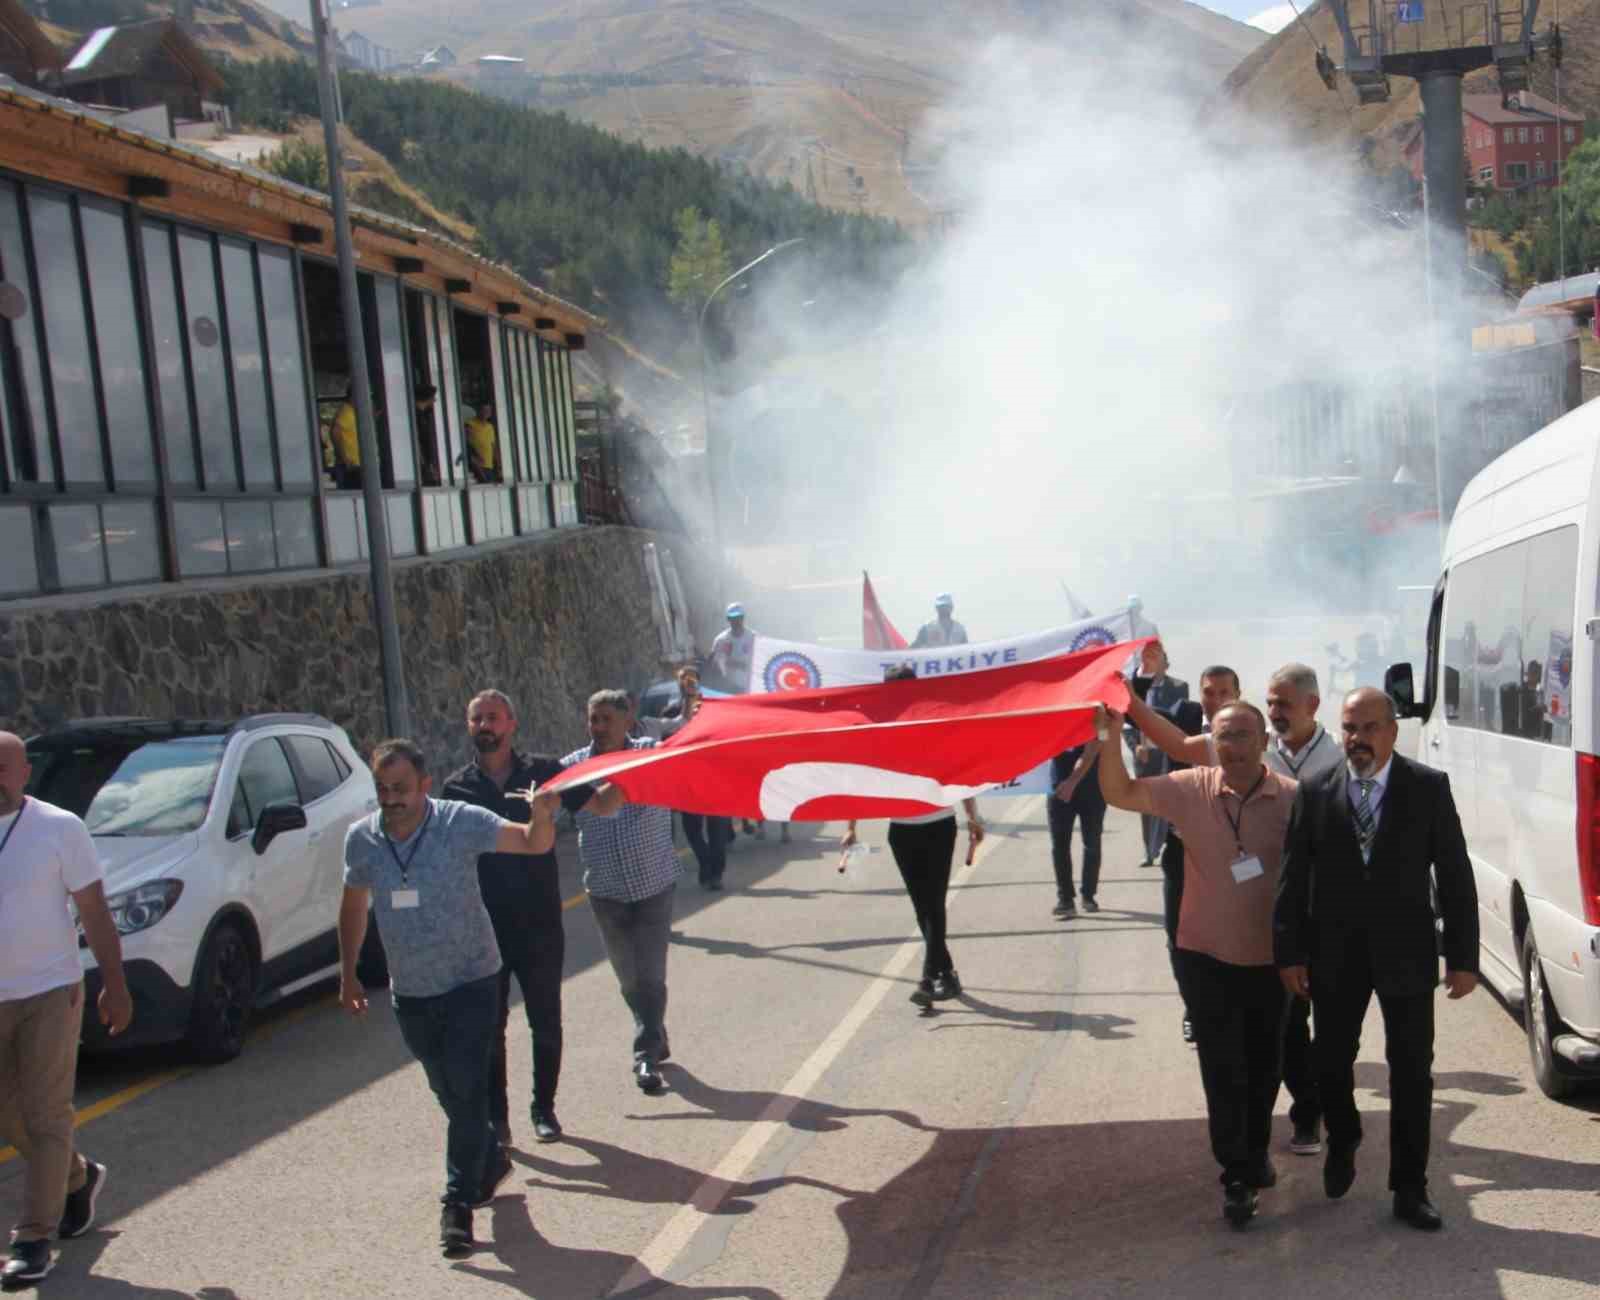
(897, 749)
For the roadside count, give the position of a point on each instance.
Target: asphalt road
(1044, 1136)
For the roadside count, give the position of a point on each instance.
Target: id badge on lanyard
(1246, 866)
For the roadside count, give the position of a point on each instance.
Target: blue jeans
(635, 936)
(453, 1035)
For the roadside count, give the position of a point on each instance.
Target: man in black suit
(1353, 917)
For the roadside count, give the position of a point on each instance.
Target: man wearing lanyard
(1232, 817)
(46, 859)
(416, 862)
(1303, 751)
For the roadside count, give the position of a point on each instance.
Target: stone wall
(547, 620)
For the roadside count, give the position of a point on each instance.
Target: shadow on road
(750, 1105)
(536, 1266)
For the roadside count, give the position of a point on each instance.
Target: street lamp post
(397, 706)
(705, 396)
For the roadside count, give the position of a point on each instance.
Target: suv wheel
(224, 995)
(1539, 1018)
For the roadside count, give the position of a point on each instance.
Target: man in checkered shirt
(631, 872)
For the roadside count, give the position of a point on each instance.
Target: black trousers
(924, 854)
(1238, 1027)
(533, 947)
(708, 837)
(1408, 1044)
(1300, 1066)
(1092, 817)
(1172, 904)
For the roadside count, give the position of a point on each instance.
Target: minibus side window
(1507, 644)
(1461, 644)
(1547, 613)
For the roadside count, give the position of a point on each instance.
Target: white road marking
(655, 1261)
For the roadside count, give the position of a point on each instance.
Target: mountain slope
(833, 96)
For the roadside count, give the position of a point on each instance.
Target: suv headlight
(139, 908)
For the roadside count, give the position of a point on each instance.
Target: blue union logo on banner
(1408, 11)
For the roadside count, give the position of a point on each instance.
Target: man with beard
(1354, 917)
(524, 905)
(415, 861)
(630, 870)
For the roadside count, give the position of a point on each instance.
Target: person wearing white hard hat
(943, 630)
(733, 652)
(732, 658)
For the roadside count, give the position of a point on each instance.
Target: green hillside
(583, 213)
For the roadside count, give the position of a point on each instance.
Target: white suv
(223, 849)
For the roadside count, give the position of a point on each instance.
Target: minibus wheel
(1539, 1018)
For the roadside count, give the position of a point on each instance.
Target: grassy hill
(837, 97)
(235, 29)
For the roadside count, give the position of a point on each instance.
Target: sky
(1269, 18)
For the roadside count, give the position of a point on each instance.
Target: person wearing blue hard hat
(943, 630)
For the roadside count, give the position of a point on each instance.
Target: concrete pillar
(1446, 198)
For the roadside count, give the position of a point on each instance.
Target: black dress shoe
(946, 986)
(647, 1076)
(1238, 1204)
(922, 995)
(1338, 1171)
(1417, 1210)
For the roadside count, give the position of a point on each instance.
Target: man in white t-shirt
(47, 858)
(733, 653)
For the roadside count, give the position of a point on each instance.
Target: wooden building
(26, 53)
(141, 64)
(172, 343)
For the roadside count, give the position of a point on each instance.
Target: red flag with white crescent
(898, 749)
(877, 632)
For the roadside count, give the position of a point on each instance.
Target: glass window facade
(158, 397)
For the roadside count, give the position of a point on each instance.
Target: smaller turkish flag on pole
(898, 749)
(877, 632)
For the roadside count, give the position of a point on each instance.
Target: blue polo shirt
(447, 940)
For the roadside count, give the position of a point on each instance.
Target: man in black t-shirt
(524, 906)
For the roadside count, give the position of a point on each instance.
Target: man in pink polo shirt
(1232, 818)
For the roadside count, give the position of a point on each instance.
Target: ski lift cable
(1322, 49)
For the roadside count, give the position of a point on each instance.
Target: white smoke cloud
(1054, 394)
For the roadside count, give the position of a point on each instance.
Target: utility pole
(715, 459)
(1393, 38)
(396, 703)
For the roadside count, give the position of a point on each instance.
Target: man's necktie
(1366, 823)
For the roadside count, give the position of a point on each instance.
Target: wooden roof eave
(74, 148)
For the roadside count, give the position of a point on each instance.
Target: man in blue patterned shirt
(414, 863)
(631, 872)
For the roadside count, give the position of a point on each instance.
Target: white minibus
(1510, 709)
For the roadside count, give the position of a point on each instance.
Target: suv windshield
(122, 785)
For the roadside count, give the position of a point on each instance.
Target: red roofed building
(1524, 142)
